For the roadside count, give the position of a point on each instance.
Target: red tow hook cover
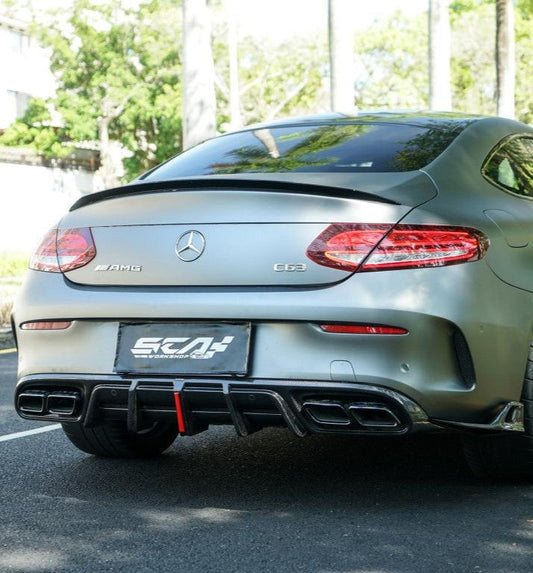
(179, 413)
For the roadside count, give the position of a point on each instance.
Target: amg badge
(123, 268)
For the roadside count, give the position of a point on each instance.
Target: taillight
(45, 256)
(62, 251)
(368, 247)
(345, 246)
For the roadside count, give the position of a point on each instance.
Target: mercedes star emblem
(190, 246)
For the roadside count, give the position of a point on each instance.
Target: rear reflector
(362, 329)
(369, 247)
(65, 250)
(45, 325)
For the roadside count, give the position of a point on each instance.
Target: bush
(12, 268)
(5, 312)
(13, 264)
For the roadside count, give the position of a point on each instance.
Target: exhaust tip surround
(365, 416)
(46, 403)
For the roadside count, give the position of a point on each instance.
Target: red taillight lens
(378, 247)
(75, 248)
(362, 329)
(62, 251)
(45, 256)
(415, 246)
(345, 245)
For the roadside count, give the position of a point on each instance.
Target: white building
(24, 70)
(34, 191)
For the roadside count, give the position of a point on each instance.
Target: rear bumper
(464, 356)
(195, 404)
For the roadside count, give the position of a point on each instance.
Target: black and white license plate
(183, 348)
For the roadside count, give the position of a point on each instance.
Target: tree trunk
(199, 106)
(267, 139)
(341, 56)
(234, 98)
(505, 58)
(440, 97)
(109, 170)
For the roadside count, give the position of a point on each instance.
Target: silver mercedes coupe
(366, 275)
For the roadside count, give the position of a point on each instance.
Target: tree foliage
(393, 53)
(119, 73)
(34, 131)
(392, 69)
(274, 79)
(524, 61)
(118, 78)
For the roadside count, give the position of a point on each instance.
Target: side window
(511, 166)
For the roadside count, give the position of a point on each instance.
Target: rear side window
(312, 148)
(511, 166)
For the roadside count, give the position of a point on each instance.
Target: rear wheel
(500, 457)
(505, 456)
(113, 440)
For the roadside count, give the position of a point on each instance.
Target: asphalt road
(270, 502)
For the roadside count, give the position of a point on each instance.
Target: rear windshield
(311, 148)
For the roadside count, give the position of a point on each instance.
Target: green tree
(473, 70)
(524, 62)
(392, 62)
(391, 58)
(150, 126)
(118, 81)
(274, 79)
(35, 131)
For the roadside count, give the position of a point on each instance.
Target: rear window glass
(311, 148)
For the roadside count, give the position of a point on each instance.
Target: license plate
(183, 348)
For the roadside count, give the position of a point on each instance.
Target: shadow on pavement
(273, 502)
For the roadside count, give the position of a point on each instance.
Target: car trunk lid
(247, 233)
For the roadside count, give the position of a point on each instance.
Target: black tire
(505, 456)
(500, 457)
(112, 439)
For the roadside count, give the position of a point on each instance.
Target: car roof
(446, 120)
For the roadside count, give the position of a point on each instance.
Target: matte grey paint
(489, 301)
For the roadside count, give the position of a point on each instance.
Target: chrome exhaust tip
(62, 403)
(328, 413)
(374, 415)
(32, 402)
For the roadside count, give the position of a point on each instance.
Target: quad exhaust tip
(63, 403)
(32, 402)
(41, 402)
(327, 413)
(373, 415)
(365, 415)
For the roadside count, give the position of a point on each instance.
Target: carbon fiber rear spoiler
(143, 188)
